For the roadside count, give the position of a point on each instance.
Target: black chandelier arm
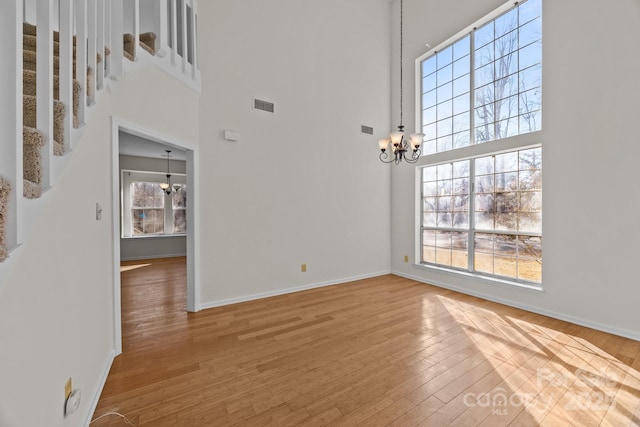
(415, 156)
(384, 156)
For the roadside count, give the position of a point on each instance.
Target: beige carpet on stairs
(33, 141)
(29, 88)
(5, 189)
(147, 42)
(29, 109)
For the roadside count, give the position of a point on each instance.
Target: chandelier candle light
(166, 186)
(402, 148)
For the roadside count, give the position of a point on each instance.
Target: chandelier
(407, 149)
(166, 186)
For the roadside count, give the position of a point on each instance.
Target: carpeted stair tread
(31, 30)
(33, 141)
(147, 42)
(29, 88)
(5, 189)
(29, 108)
(31, 190)
(30, 43)
(29, 60)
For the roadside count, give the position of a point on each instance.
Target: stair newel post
(44, 86)
(11, 117)
(117, 45)
(66, 68)
(92, 32)
(100, 67)
(81, 57)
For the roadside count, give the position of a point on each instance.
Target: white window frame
(130, 176)
(475, 150)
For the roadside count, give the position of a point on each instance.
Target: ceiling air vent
(259, 104)
(367, 129)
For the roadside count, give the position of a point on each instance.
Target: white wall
(56, 307)
(302, 185)
(590, 101)
(152, 247)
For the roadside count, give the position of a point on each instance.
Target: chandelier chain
(401, 56)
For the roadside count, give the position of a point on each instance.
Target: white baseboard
(252, 297)
(98, 392)
(140, 258)
(634, 335)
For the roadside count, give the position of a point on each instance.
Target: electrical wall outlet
(406, 258)
(303, 268)
(72, 403)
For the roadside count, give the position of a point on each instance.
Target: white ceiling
(132, 145)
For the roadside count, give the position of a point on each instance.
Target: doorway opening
(169, 230)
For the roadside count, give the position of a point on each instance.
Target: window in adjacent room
(481, 111)
(147, 210)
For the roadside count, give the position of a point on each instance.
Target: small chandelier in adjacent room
(407, 149)
(166, 186)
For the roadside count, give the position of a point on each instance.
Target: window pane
(445, 57)
(445, 143)
(180, 221)
(506, 162)
(530, 78)
(483, 35)
(461, 103)
(462, 67)
(429, 82)
(429, 100)
(530, 55)
(179, 197)
(461, 86)
(461, 47)
(530, 32)
(461, 139)
(428, 66)
(485, 75)
(445, 75)
(506, 54)
(529, 10)
(445, 92)
(430, 204)
(459, 250)
(506, 22)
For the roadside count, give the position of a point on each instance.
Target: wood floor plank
(375, 352)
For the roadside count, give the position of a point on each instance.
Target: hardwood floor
(381, 351)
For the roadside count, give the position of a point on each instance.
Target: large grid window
(482, 209)
(487, 85)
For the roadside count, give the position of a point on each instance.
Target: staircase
(33, 139)
(55, 75)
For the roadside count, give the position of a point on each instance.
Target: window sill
(153, 236)
(482, 278)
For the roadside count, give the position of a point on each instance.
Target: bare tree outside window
(147, 208)
(484, 214)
